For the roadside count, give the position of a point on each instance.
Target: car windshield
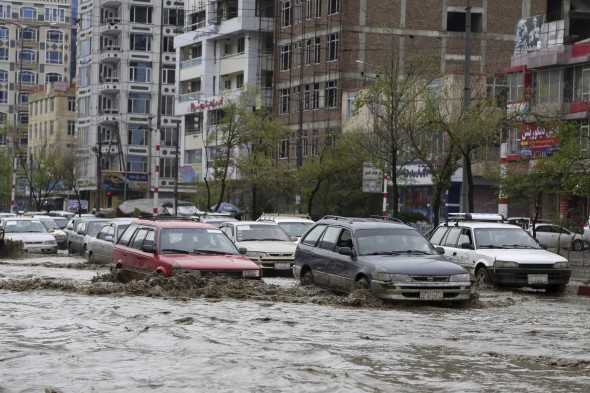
(94, 227)
(195, 241)
(254, 232)
(21, 226)
(504, 238)
(295, 228)
(50, 223)
(61, 222)
(392, 241)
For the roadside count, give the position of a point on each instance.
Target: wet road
(61, 332)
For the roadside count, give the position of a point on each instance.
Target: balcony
(112, 28)
(111, 3)
(190, 97)
(111, 55)
(110, 87)
(109, 116)
(197, 61)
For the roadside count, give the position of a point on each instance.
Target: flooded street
(66, 327)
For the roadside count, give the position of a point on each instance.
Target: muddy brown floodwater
(67, 326)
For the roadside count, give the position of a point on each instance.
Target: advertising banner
(116, 180)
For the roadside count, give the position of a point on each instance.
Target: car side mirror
(243, 250)
(467, 246)
(345, 251)
(149, 248)
(80, 232)
(440, 250)
(293, 238)
(108, 238)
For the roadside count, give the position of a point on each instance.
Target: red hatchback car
(174, 247)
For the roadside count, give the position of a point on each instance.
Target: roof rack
(340, 218)
(386, 218)
(487, 217)
(269, 215)
(166, 218)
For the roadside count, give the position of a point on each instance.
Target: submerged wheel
(482, 278)
(559, 288)
(91, 257)
(70, 249)
(120, 275)
(362, 283)
(306, 278)
(578, 245)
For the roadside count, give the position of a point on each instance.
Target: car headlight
(460, 277)
(400, 277)
(561, 265)
(256, 254)
(505, 265)
(251, 273)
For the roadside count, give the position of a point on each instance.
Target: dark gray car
(391, 259)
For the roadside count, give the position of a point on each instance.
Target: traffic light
(109, 199)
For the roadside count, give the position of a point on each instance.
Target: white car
(100, 247)
(555, 236)
(499, 254)
(55, 230)
(294, 224)
(30, 231)
(266, 243)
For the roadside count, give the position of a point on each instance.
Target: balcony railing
(191, 63)
(190, 96)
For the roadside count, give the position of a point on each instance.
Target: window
(168, 44)
(137, 135)
(54, 36)
(317, 51)
(174, 17)
(284, 101)
(297, 52)
(168, 74)
(140, 14)
(304, 144)
(3, 76)
(27, 56)
(297, 98)
(4, 33)
(137, 163)
(53, 77)
(329, 239)
(5, 11)
(167, 105)
(318, 8)
(85, 48)
(3, 53)
(53, 57)
(239, 80)
(283, 149)
(23, 98)
(241, 45)
(83, 76)
(285, 57)
(55, 15)
(515, 87)
(548, 87)
(28, 13)
(306, 98)
(316, 96)
(28, 77)
(85, 20)
(331, 94)
(307, 52)
(333, 7)
(51, 104)
(350, 110)
(456, 21)
(168, 136)
(314, 142)
(333, 46)
(308, 9)
(140, 72)
(286, 14)
(71, 104)
(27, 34)
(138, 103)
(3, 97)
(167, 166)
(193, 156)
(71, 127)
(141, 42)
(227, 84)
(51, 127)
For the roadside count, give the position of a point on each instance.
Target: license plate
(537, 278)
(34, 249)
(431, 295)
(282, 266)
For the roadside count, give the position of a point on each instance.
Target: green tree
(43, 174)
(392, 101)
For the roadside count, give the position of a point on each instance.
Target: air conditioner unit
(113, 150)
(104, 149)
(165, 152)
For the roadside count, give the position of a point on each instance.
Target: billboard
(528, 34)
(116, 180)
(537, 141)
(372, 178)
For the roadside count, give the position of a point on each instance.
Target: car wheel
(84, 250)
(70, 249)
(120, 276)
(482, 278)
(91, 257)
(307, 279)
(578, 245)
(362, 283)
(559, 288)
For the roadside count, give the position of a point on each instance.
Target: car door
(545, 235)
(328, 271)
(102, 246)
(138, 261)
(460, 255)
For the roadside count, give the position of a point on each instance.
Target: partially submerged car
(31, 231)
(99, 248)
(499, 254)
(174, 247)
(294, 224)
(391, 259)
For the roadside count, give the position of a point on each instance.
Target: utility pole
(177, 156)
(466, 102)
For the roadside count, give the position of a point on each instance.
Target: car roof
(362, 222)
(479, 224)
(251, 223)
(175, 224)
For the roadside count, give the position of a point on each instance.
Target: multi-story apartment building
(228, 44)
(552, 77)
(324, 48)
(35, 49)
(126, 95)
